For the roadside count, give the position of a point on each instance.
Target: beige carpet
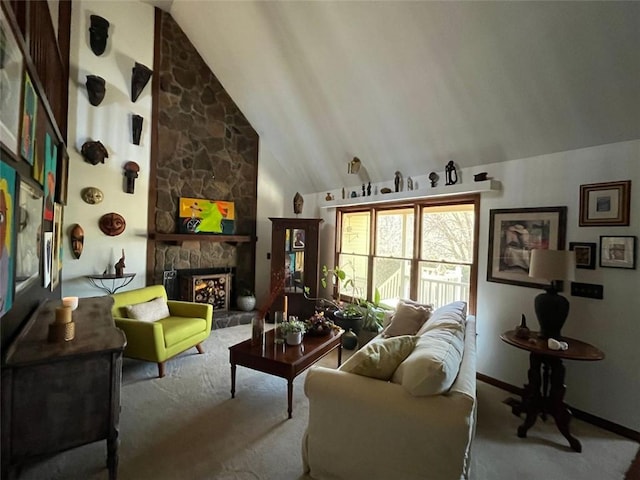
(186, 426)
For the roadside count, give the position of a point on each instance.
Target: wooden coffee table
(284, 361)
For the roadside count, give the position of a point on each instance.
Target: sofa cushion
(408, 319)
(150, 311)
(178, 329)
(433, 365)
(380, 358)
(453, 315)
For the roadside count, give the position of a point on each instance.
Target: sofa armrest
(191, 310)
(145, 340)
(351, 417)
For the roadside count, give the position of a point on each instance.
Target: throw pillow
(380, 358)
(150, 311)
(452, 316)
(408, 319)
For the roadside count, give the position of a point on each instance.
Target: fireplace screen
(213, 289)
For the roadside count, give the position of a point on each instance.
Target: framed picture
(618, 252)
(50, 165)
(7, 230)
(585, 254)
(29, 111)
(202, 216)
(298, 238)
(28, 239)
(605, 204)
(63, 174)
(47, 258)
(56, 263)
(513, 233)
(11, 64)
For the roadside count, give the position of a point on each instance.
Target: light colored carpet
(186, 426)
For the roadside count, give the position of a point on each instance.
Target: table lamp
(551, 308)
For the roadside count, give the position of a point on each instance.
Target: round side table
(546, 389)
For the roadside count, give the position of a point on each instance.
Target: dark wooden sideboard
(57, 396)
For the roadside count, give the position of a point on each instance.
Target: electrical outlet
(587, 290)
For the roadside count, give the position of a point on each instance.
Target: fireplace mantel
(179, 238)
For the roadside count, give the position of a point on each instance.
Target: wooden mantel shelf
(180, 238)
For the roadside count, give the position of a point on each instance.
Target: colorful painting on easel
(198, 215)
(29, 111)
(50, 165)
(7, 248)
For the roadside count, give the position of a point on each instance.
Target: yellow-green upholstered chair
(187, 325)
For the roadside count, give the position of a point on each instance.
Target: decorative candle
(285, 308)
(71, 302)
(63, 315)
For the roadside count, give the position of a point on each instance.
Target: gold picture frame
(605, 204)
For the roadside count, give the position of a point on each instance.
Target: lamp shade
(552, 264)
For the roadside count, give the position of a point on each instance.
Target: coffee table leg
(233, 380)
(290, 396)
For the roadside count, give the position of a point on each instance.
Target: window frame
(418, 206)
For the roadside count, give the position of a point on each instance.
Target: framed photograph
(297, 241)
(605, 204)
(513, 233)
(29, 111)
(618, 252)
(11, 65)
(585, 254)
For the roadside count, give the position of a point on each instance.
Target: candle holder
(62, 329)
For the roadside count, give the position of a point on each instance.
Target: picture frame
(7, 240)
(206, 217)
(29, 118)
(605, 204)
(513, 233)
(618, 251)
(297, 239)
(63, 175)
(586, 253)
(11, 68)
(28, 224)
(56, 263)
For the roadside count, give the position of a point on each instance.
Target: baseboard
(580, 414)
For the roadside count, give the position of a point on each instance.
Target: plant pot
(246, 303)
(348, 323)
(294, 338)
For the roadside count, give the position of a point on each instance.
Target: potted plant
(246, 300)
(318, 325)
(292, 331)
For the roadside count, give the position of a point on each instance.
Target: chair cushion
(380, 358)
(150, 311)
(408, 319)
(177, 329)
(433, 365)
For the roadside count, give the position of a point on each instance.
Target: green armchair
(187, 326)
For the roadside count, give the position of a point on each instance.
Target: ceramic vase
(246, 303)
(294, 338)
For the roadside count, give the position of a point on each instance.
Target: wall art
(140, 75)
(198, 215)
(618, 251)
(47, 257)
(585, 254)
(605, 204)
(62, 176)
(98, 34)
(7, 230)
(28, 235)
(11, 64)
(513, 233)
(56, 262)
(29, 114)
(112, 224)
(50, 165)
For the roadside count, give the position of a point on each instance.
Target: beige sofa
(365, 428)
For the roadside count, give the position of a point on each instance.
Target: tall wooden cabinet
(295, 257)
(57, 396)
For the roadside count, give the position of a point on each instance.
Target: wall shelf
(419, 194)
(180, 238)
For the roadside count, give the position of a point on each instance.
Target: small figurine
(522, 331)
(343, 197)
(329, 197)
(369, 189)
(409, 183)
(298, 203)
(131, 170)
(364, 189)
(397, 181)
(451, 173)
(96, 89)
(136, 128)
(354, 194)
(119, 266)
(433, 176)
(354, 165)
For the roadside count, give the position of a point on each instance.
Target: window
(426, 250)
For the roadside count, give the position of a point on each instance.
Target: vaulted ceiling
(411, 85)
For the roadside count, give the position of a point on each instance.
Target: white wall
(131, 34)
(610, 388)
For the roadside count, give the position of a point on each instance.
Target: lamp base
(552, 310)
